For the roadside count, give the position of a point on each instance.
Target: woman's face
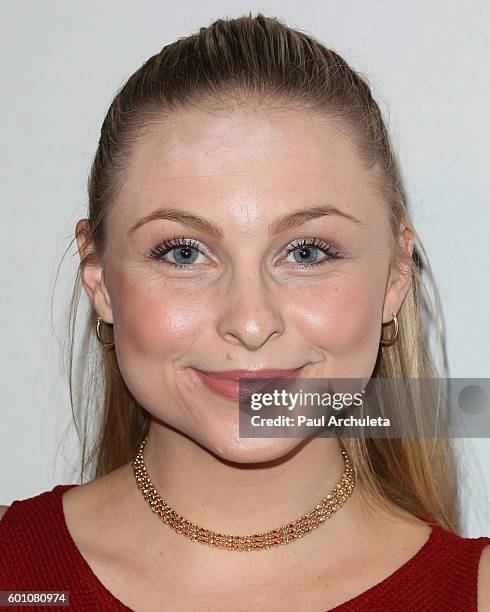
(227, 295)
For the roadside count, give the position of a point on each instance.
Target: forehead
(258, 159)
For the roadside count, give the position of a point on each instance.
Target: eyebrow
(281, 224)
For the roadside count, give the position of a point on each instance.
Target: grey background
(61, 64)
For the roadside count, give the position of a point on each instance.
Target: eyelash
(328, 249)
(159, 251)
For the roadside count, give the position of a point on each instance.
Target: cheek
(156, 327)
(342, 318)
(155, 321)
(155, 331)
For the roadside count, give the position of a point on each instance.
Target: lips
(226, 382)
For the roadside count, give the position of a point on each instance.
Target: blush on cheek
(154, 332)
(156, 326)
(160, 329)
(351, 324)
(342, 323)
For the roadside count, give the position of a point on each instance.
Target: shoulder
(27, 515)
(484, 580)
(3, 510)
(461, 561)
(23, 528)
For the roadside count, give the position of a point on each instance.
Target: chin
(253, 450)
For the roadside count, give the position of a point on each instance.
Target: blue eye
(305, 252)
(185, 251)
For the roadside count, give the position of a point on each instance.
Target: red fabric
(38, 553)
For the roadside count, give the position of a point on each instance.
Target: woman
(247, 217)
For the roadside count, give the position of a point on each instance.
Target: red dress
(37, 553)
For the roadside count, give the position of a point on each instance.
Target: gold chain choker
(257, 541)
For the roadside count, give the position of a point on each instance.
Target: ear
(91, 272)
(400, 277)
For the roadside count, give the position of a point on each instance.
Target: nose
(250, 315)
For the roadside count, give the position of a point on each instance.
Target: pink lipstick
(226, 382)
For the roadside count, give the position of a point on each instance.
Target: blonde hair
(233, 59)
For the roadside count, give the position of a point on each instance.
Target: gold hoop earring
(392, 340)
(105, 345)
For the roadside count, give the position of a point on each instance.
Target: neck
(240, 499)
